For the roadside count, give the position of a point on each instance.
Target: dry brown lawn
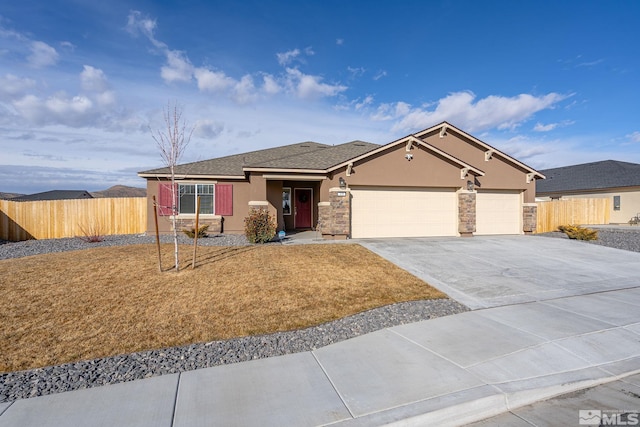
(64, 307)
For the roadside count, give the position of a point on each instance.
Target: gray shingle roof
(54, 195)
(304, 155)
(589, 176)
(320, 159)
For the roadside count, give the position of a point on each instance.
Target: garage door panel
(378, 212)
(498, 213)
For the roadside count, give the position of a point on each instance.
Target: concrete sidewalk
(447, 371)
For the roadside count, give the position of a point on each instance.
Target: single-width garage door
(498, 212)
(403, 212)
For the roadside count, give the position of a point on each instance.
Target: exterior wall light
(342, 182)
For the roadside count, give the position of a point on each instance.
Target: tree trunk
(174, 219)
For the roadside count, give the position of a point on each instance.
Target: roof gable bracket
(488, 155)
(463, 173)
(443, 131)
(530, 177)
(409, 144)
(349, 168)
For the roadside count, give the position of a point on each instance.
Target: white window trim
(193, 215)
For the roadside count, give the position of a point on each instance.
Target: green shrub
(202, 231)
(579, 233)
(259, 226)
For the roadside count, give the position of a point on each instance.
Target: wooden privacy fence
(572, 211)
(54, 219)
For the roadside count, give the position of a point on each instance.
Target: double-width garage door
(403, 212)
(498, 212)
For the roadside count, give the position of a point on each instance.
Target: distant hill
(121, 191)
(7, 196)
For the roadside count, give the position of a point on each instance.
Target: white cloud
(590, 64)
(213, 81)
(306, 86)
(462, 110)
(178, 67)
(58, 108)
(42, 55)
(208, 129)
(368, 100)
(356, 71)
(380, 74)
(106, 98)
(539, 127)
(634, 137)
(522, 148)
(269, 85)
(244, 91)
(93, 79)
(11, 86)
(138, 24)
(285, 58)
(339, 42)
(67, 45)
(391, 111)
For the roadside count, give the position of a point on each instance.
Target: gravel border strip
(145, 364)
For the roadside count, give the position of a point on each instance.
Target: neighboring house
(54, 195)
(618, 181)
(437, 182)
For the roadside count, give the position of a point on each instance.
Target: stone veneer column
(529, 217)
(466, 213)
(334, 216)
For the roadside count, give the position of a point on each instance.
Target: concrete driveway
(490, 271)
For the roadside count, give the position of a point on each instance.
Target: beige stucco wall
(629, 202)
(242, 192)
(500, 174)
(390, 168)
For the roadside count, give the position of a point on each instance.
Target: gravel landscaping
(626, 238)
(127, 367)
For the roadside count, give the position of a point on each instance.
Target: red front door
(302, 207)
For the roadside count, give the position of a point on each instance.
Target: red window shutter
(224, 199)
(164, 199)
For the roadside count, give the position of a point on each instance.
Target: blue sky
(83, 83)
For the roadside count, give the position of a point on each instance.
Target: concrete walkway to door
(490, 271)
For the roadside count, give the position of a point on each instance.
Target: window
(188, 195)
(286, 201)
(616, 203)
(215, 199)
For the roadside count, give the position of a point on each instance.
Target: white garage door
(498, 213)
(403, 212)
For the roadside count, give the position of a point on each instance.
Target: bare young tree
(172, 142)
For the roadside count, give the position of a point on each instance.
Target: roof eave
(481, 143)
(189, 176)
(282, 170)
